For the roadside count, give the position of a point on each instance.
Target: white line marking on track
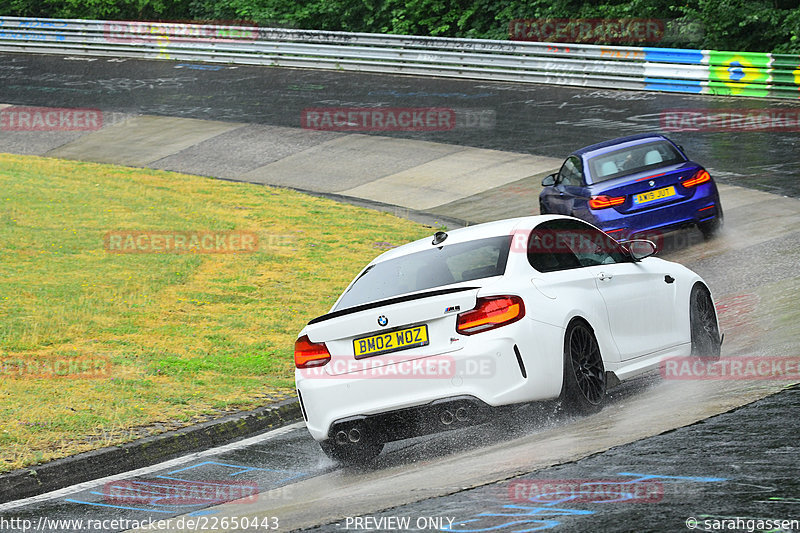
(148, 469)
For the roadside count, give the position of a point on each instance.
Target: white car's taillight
(308, 354)
(490, 313)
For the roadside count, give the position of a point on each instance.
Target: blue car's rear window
(634, 159)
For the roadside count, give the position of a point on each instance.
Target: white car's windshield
(428, 269)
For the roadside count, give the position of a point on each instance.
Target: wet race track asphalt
(534, 119)
(739, 464)
(626, 469)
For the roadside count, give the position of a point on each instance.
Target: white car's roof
(470, 233)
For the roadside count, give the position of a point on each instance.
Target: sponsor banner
(54, 366)
(24, 29)
(786, 71)
(180, 242)
(50, 119)
(673, 55)
(178, 492)
(796, 73)
(594, 30)
(676, 86)
(378, 119)
(739, 73)
(584, 491)
(717, 120)
(129, 32)
(741, 89)
(731, 368)
(785, 76)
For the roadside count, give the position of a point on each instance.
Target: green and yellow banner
(739, 73)
(785, 75)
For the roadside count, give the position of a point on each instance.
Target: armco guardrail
(638, 68)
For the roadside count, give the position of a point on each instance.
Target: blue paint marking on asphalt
(544, 513)
(117, 506)
(646, 477)
(198, 67)
(154, 502)
(157, 495)
(203, 512)
(242, 470)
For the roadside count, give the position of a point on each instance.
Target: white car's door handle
(603, 276)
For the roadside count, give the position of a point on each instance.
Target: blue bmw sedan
(640, 185)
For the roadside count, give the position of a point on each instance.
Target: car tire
(542, 209)
(584, 387)
(706, 341)
(711, 228)
(350, 454)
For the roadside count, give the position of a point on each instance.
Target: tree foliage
(742, 25)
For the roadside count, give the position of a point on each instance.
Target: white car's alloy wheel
(584, 375)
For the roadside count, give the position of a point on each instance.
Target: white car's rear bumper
(486, 368)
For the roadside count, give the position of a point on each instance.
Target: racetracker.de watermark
(739, 120)
(731, 368)
(590, 241)
(181, 242)
(593, 30)
(55, 366)
(547, 241)
(50, 119)
(378, 119)
(584, 491)
(399, 366)
(160, 491)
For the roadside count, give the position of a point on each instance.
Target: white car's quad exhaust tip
(442, 415)
(345, 437)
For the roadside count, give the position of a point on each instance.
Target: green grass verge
(188, 336)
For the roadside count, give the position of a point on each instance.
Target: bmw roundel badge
(651, 183)
(382, 320)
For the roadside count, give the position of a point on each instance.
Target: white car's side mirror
(640, 248)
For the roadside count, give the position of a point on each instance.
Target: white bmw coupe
(438, 333)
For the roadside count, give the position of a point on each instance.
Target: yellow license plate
(391, 341)
(657, 194)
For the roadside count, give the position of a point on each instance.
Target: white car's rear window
(436, 267)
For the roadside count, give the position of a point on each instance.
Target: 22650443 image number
(237, 523)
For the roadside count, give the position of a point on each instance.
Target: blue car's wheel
(711, 228)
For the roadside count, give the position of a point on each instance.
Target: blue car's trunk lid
(650, 189)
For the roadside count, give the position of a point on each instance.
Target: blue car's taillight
(603, 202)
(701, 176)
